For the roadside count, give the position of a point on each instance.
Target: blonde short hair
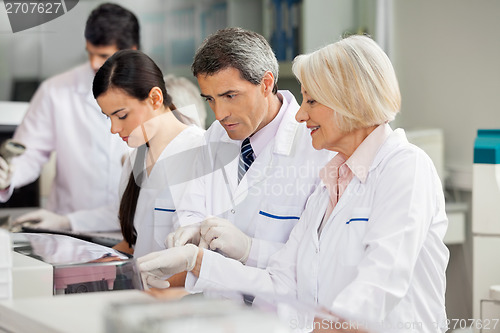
(355, 78)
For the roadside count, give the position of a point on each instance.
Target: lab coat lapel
(321, 206)
(346, 198)
(285, 136)
(230, 169)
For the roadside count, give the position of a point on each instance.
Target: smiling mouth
(314, 129)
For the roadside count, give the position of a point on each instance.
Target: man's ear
(268, 83)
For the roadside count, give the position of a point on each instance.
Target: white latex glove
(156, 265)
(6, 171)
(45, 219)
(183, 236)
(222, 235)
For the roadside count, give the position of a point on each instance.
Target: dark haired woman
(131, 91)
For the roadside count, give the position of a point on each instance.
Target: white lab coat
(65, 118)
(270, 198)
(162, 190)
(386, 266)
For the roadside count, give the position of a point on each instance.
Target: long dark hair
(136, 74)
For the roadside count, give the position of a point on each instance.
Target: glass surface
(62, 250)
(80, 266)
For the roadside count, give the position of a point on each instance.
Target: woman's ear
(268, 83)
(156, 97)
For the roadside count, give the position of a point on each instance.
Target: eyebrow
(222, 94)
(115, 112)
(229, 92)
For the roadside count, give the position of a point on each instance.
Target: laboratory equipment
(486, 223)
(76, 266)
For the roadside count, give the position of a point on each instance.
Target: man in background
(63, 117)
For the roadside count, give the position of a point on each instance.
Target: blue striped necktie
(246, 158)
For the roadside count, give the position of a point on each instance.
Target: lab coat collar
(261, 139)
(394, 138)
(285, 136)
(361, 160)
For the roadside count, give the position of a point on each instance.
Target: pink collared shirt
(338, 173)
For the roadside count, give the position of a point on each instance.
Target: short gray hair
(244, 50)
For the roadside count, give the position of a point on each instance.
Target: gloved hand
(184, 235)
(222, 235)
(6, 171)
(156, 265)
(45, 219)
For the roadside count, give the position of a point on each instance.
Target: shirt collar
(266, 134)
(330, 170)
(362, 158)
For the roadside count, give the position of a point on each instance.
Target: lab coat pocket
(275, 222)
(355, 229)
(164, 212)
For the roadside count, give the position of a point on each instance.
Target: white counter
(69, 313)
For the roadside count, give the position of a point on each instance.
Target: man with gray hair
(252, 182)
